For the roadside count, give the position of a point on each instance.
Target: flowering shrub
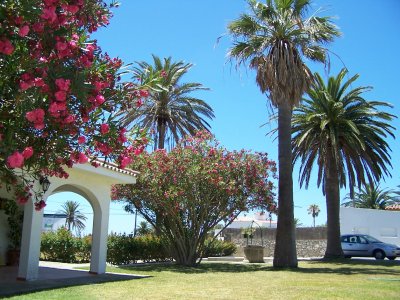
(186, 192)
(58, 91)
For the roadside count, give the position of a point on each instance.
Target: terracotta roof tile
(393, 207)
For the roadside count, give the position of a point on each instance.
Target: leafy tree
(58, 92)
(343, 134)
(74, 217)
(194, 187)
(313, 210)
(274, 38)
(170, 111)
(297, 223)
(371, 196)
(144, 228)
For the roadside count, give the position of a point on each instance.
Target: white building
(381, 224)
(52, 222)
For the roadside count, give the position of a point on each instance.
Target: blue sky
(188, 30)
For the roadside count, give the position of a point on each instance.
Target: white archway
(94, 184)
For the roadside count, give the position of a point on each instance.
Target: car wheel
(392, 257)
(379, 254)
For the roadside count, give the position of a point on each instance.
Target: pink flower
(40, 205)
(38, 27)
(35, 116)
(139, 103)
(104, 128)
(24, 85)
(61, 46)
(81, 140)
(61, 96)
(27, 153)
(126, 160)
(100, 100)
(39, 126)
(63, 84)
(22, 199)
(6, 47)
(82, 158)
(23, 31)
(15, 160)
(49, 13)
(39, 82)
(69, 119)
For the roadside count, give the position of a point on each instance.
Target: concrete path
(54, 275)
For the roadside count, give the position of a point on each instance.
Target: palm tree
(170, 111)
(344, 134)
(74, 218)
(371, 196)
(313, 210)
(274, 38)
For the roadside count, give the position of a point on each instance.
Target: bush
(123, 249)
(218, 248)
(62, 246)
(126, 249)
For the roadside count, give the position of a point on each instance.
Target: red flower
(104, 128)
(82, 158)
(35, 116)
(40, 205)
(61, 96)
(27, 153)
(63, 84)
(6, 47)
(15, 160)
(23, 31)
(81, 140)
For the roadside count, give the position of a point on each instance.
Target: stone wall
(310, 242)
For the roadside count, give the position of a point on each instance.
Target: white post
(100, 233)
(30, 243)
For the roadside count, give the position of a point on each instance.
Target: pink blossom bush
(186, 192)
(58, 91)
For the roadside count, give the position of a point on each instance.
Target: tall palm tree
(314, 211)
(170, 111)
(74, 217)
(274, 38)
(343, 134)
(371, 196)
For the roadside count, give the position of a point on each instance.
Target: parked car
(366, 245)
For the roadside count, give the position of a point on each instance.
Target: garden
(65, 102)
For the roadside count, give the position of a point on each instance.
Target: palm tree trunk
(285, 246)
(332, 194)
(161, 133)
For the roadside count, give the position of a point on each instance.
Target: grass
(343, 279)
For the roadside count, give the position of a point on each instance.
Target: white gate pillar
(30, 243)
(100, 231)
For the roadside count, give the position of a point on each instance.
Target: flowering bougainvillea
(186, 192)
(58, 91)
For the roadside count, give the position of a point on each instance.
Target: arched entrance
(94, 184)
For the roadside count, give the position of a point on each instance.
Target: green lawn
(347, 279)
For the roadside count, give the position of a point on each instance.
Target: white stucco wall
(381, 224)
(3, 230)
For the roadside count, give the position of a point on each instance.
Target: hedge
(122, 249)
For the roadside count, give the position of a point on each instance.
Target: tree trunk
(332, 194)
(285, 247)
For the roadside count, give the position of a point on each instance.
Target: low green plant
(218, 248)
(15, 218)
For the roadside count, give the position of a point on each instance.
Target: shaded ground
(52, 276)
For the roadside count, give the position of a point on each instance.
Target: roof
(114, 167)
(393, 207)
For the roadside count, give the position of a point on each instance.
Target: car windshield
(371, 239)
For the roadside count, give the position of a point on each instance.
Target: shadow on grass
(340, 267)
